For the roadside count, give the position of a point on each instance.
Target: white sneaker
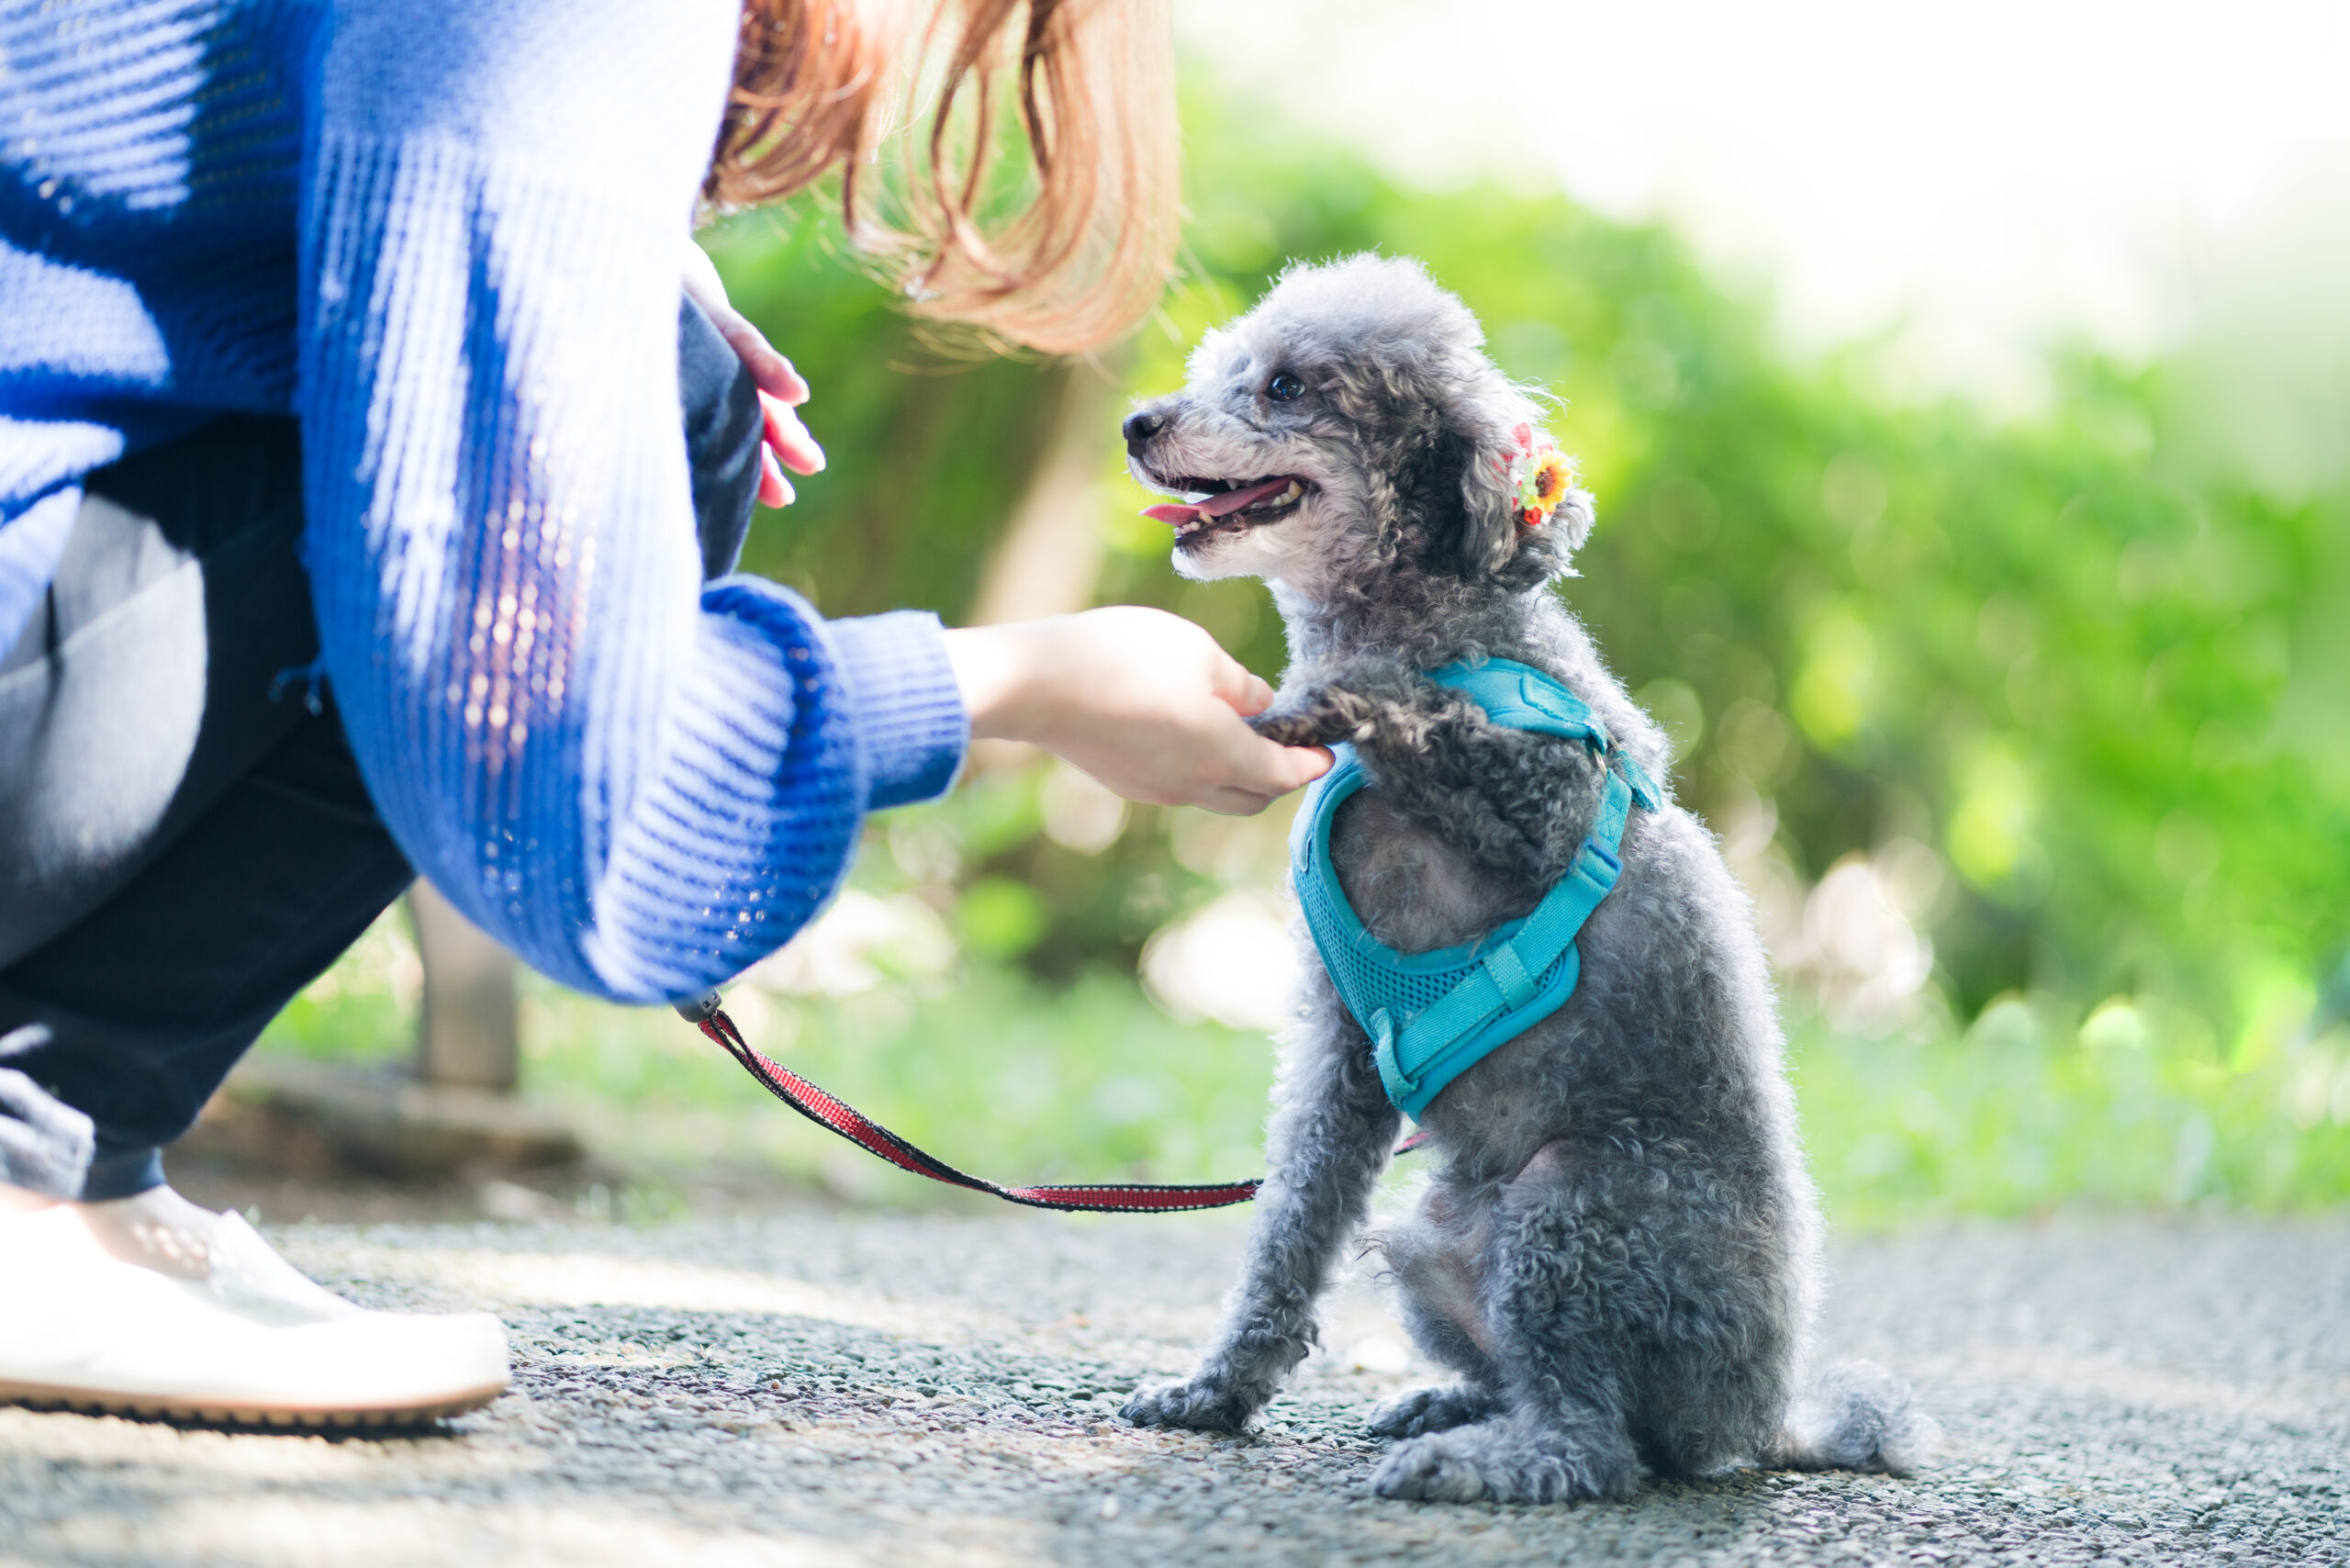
(209, 1324)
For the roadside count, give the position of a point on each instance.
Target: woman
(346, 532)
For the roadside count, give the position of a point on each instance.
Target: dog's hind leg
(1438, 1261)
(1437, 1408)
(1443, 1338)
(1327, 1148)
(1715, 1372)
(1560, 1284)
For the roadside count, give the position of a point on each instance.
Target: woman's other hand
(1145, 702)
(781, 389)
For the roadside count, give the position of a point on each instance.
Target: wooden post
(468, 1034)
(1048, 561)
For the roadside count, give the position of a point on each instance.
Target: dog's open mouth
(1212, 507)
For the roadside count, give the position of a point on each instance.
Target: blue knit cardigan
(445, 235)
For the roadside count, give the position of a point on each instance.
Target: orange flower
(1542, 476)
(1552, 475)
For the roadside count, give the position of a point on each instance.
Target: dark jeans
(186, 841)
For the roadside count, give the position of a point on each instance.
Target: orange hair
(1083, 258)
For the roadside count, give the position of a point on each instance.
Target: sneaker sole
(245, 1413)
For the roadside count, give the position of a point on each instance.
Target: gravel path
(827, 1390)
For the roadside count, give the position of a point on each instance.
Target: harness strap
(1519, 696)
(1442, 1042)
(835, 1115)
(1532, 966)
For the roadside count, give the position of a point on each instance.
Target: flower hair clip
(1540, 474)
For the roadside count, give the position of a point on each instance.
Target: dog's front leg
(1329, 1143)
(1316, 715)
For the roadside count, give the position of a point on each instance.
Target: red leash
(837, 1116)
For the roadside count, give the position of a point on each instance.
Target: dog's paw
(1426, 1470)
(1203, 1405)
(1292, 728)
(1502, 1461)
(1436, 1409)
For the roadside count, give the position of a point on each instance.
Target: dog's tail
(1857, 1417)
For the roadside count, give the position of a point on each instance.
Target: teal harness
(1431, 1017)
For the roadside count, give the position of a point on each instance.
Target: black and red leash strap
(835, 1115)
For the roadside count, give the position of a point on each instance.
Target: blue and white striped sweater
(445, 235)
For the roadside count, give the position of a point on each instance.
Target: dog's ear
(1496, 540)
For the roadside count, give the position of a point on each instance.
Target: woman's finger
(790, 437)
(770, 372)
(1302, 766)
(1231, 802)
(1243, 691)
(1259, 767)
(1294, 767)
(774, 490)
(1255, 696)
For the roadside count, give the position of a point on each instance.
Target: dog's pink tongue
(1218, 505)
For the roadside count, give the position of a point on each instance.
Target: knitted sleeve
(639, 784)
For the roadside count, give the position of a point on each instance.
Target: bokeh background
(1964, 394)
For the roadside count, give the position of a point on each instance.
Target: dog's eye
(1284, 389)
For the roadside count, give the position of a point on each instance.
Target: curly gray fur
(1617, 1247)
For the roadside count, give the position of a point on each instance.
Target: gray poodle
(1617, 1247)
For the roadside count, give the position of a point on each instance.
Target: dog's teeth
(1289, 495)
(1194, 497)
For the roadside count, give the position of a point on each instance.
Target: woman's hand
(1143, 701)
(781, 389)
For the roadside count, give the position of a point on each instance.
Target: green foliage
(1001, 918)
(930, 443)
(364, 1008)
(2026, 1113)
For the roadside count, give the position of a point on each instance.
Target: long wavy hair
(1062, 249)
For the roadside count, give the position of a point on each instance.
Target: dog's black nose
(1141, 426)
